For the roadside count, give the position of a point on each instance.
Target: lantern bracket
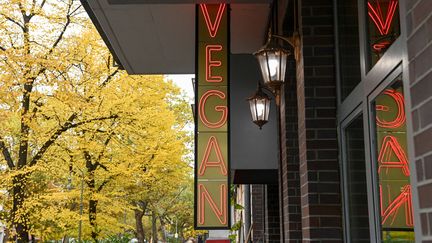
(275, 92)
(293, 41)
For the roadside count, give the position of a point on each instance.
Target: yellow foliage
(71, 119)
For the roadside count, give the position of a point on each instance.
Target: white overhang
(158, 36)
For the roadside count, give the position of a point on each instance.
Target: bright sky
(184, 81)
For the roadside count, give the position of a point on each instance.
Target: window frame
(371, 158)
(343, 167)
(373, 81)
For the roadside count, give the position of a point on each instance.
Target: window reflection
(395, 198)
(356, 182)
(349, 52)
(383, 26)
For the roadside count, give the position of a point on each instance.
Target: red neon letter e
(212, 63)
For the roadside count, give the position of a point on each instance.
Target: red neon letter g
(223, 109)
(399, 120)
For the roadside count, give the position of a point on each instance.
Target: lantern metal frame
(260, 95)
(272, 46)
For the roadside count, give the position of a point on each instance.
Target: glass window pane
(349, 52)
(392, 165)
(383, 26)
(357, 204)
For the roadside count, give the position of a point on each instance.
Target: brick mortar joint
(419, 25)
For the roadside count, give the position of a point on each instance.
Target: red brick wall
(257, 197)
(290, 160)
(272, 216)
(265, 213)
(418, 15)
(318, 145)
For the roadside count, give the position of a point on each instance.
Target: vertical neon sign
(212, 118)
(393, 164)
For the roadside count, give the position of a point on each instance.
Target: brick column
(418, 14)
(257, 195)
(290, 160)
(265, 213)
(272, 216)
(318, 145)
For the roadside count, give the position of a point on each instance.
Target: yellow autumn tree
(78, 137)
(139, 153)
(34, 44)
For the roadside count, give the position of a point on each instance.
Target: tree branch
(102, 166)
(63, 31)
(105, 82)
(59, 38)
(105, 145)
(13, 21)
(32, 8)
(6, 154)
(42, 5)
(103, 184)
(88, 160)
(66, 126)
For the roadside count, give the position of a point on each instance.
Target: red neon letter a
(212, 145)
(213, 26)
(220, 212)
(390, 146)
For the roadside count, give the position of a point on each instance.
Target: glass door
(354, 176)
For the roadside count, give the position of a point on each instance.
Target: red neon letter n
(220, 212)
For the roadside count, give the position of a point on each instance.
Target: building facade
(355, 165)
(354, 162)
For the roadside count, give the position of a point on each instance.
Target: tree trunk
(19, 221)
(91, 183)
(139, 225)
(154, 228)
(163, 230)
(92, 218)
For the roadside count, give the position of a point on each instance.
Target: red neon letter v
(213, 26)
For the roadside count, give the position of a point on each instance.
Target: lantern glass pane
(267, 106)
(262, 59)
(259, 108)
(252, 109)
(273, 65)
(283, 60)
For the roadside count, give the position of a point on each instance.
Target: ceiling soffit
(149, 38)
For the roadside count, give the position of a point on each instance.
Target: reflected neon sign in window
(394, 187)
(383, 26)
